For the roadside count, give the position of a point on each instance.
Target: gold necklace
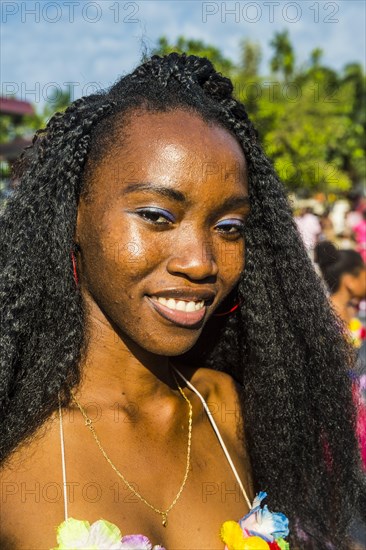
(164, 514)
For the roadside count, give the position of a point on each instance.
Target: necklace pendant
(165, 520)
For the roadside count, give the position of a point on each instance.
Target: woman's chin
(171, 348)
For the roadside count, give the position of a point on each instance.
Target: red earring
(228, 312)
(74, 268)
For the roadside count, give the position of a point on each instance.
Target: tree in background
(311, 119)
(250, 59)
(10, 131)
(305, 123)
(196, 47)
(283, 60)
(354, 79)
(246, 78)
(58, 101)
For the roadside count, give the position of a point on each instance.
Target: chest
(210, 495)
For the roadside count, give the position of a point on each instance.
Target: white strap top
(213, 424)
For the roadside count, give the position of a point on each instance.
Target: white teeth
(170, 303)
(180, 305)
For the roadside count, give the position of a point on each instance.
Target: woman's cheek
(230, 258)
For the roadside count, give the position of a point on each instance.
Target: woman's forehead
(177, 149)
(176, 136)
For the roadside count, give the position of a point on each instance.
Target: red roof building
(12, 106)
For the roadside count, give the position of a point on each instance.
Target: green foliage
(11, 128)
(196, 47)
(59, 101)
(316, 56)
(283, 59)
(310, 136)
(251, 56)
(311, 119)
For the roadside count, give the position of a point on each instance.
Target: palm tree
(283, 60)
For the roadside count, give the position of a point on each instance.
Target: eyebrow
(164, 191)
(235, 201)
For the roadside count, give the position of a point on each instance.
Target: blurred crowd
(330, 234)
(335, 239)
(344, 224)
(336, 242)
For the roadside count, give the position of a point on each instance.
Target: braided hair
(282, 345)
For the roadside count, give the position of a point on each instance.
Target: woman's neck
(114, 369)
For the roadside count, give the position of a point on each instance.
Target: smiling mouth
(179, 312)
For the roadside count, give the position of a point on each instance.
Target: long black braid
(283, 346)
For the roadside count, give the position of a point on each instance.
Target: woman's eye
(231, 227)
(157, 217)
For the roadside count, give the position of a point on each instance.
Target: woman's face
(356, 284)
(161, 242)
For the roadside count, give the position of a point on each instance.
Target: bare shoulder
(222, 394)
(218, 384)
(26, 480)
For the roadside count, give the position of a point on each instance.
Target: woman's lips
(182, 318)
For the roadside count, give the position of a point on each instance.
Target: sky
(89, 44)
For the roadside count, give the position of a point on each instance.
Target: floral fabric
(260, 529)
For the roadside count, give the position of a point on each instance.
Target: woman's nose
(195, 259)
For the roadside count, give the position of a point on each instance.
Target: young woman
(168, 351)
(344, 273)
